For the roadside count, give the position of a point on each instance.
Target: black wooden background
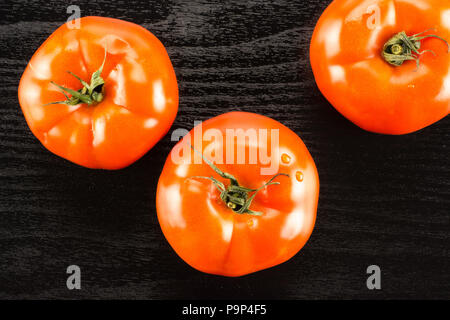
(384, 200)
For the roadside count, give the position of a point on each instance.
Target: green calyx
(91, 93)
(401, 48)
(235, 196)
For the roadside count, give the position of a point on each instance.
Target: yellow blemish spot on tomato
(299, 176)
(285, 158)
(252, 223)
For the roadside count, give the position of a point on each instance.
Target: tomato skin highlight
(350, 72)
(140, 101)
(210, 236)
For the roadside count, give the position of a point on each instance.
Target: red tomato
(119, 111)
(365, 57)
(205, 213)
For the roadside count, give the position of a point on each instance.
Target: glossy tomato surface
(349, 69)
(209, 235)
(140, 93)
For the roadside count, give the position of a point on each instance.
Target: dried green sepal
(91, 93)
(235, 196)
(401, 48)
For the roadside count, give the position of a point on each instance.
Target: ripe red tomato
(204, 209)
(114, 113)
(374, 64)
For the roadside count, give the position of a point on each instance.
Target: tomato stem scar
(90, 94)
(401, 48)
(235, 196)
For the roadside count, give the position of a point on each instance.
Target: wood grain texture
(384, 200)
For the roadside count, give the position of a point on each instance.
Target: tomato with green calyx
(100, 95)
(385, 64)
(238, 194)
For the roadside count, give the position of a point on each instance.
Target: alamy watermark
(74, 280)
(374, 280)
(234, 146)
(73, 21)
